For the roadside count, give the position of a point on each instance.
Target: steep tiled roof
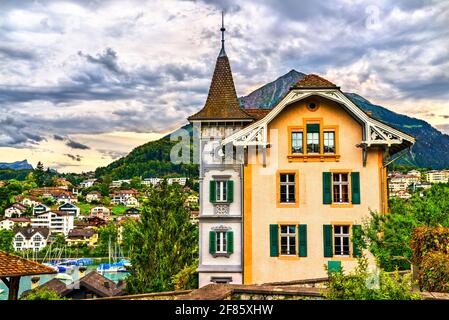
(99, 284)
(222, 100)
(314, 81)
(13, 266)
(76, 233)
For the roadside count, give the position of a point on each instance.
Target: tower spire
(222, 51)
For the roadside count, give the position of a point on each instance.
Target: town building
(125, 197)
(40, 208)
(100, 212)
(415, 173)
(180, 181)
(88, 183)
(12, 223)
(28, 201)
(437, 176)
(151, 181)
(284, 191)
(34, 238)
(86, 236)
(70, 208)
(56, 221)
(93, 196)
(15, 210)
(118, 183)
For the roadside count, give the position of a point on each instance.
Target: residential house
(70, 208)
(437, 176)
(152, 181)
(94, 222)
(401, 183)
(56, 221)
(12, 223)
(30, 238)
(15, 210)
(40, 208)
(100, 212)
(284, 191)
(28, 201)
(415, 173)
(88, 183)
(86, 236)
(62, 183)
(180, 181)
(122, 196)
(118, 183)
(93, 196)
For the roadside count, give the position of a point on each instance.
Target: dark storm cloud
(76, 145)
(74, 157)
(14, 132)
(16, 53)
(108, 59)
(58, 137)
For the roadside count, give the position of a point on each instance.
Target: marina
(71, 274)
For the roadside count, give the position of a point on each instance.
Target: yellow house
(86, 236)
(284, 192)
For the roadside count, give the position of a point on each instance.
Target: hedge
(434, 272)
(426, 240)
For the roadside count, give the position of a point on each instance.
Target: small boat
(106, 267)
(64, 276)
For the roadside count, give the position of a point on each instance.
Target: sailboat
(119, 266)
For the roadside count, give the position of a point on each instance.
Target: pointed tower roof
(222, 102)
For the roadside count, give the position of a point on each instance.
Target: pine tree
(164, 242)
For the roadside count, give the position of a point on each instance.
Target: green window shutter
(356, 239)
(327, 188)
(355, 183)
(333, 266)
(274, 240)
(212, 242)
(230, 187)
(327, 240)
(302, 239)
(230, 241)
(313, 127)
(212, 190)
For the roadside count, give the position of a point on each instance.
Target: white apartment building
(118, 183)
(55, 221)
(437, 176)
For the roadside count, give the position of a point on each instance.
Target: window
(297, 142)
(313, 142)
(341, 187)
(221, 242)
(341, 240)
(329, 142)
(287, 188)
(288, 240)
(221, 191)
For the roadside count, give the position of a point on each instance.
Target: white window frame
(341, 235)
(313, 138)
(221, 190)
(326, 141)
(301, 141)
(221, 242)
(340, 183)
(290, 237)
(288, 184)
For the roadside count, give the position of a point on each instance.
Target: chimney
(106, 284)
(35, 282)
(369, 113)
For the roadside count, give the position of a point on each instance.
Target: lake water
(25, 282)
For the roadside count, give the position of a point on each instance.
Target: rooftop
(312, 81)
(15, 266)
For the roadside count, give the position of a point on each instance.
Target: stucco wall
(311, 211)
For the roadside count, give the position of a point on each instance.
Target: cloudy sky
(84, 82)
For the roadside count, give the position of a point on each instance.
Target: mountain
(18, 165)
(153, 158)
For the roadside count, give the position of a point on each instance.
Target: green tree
(6, 240)
(42, 294)
(388, 236)
(164, 242)
(364, 285)
(107, 237)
